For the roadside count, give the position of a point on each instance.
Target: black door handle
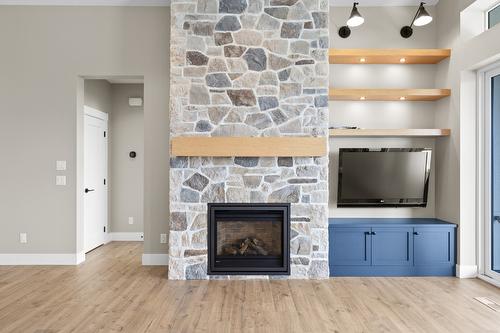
(416, 233)
(374, 233)
(496, 218)
(87, 190)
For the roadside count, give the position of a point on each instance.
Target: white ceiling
(379, 3)
(336, 3)
(86, 2)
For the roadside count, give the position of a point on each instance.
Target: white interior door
(95, 174)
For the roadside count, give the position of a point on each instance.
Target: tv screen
(386, 177)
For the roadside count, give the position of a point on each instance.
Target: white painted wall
(381, 30)
(45, 51)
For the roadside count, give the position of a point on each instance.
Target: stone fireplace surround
(249, 68)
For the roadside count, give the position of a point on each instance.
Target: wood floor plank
(113, 292)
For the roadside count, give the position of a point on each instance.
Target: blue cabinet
(391, 247)
(354, 247)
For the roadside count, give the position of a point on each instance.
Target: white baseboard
(155, 259)
(31, 259)
(125, 237)
(466, 271)
(80, 257)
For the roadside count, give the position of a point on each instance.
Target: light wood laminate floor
(112, 292)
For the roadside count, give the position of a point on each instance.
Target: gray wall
(381, 30)
(98, 95)
(49, 48)
(126, 177)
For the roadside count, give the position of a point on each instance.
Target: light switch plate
(23, 238)
(60, 165)
(61, 180)
(163, 238)
(130, 220)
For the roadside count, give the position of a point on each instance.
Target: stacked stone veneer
(249, 68)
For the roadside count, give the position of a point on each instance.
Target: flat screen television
(384, 177)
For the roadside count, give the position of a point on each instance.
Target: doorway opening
(112, 179)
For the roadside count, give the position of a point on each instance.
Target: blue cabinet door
(350, 246)
(392, 246)
(434, 246)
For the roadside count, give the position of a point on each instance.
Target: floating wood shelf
(388, 94)
(408, 132)
(249, 146)
(388, 56)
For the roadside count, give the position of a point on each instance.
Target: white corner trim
(155, 259)
(125, 237)
(466, 271)
(32, 259)
(143, 3)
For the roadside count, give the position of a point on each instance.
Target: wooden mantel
(249, 146)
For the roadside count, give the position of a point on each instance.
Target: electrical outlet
(130, 220)
(61, 180)
(163, 238)
(23, 238)
(60, 165)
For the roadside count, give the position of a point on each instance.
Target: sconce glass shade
(355, 20)
(423, 17)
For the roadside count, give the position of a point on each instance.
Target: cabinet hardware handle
(374, 233)
(416, 233)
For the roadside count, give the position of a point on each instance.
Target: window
(494, 16)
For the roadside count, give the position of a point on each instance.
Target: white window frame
(487, 15)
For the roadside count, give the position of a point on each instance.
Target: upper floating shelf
(388, 56)
(405, 132)
(388, 94)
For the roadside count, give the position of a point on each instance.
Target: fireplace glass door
(248, 239)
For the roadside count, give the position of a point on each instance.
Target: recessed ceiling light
(402, 60)
(362, 60)
(362, 98)
(402, 98)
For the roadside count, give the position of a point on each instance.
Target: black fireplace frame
(213, 269)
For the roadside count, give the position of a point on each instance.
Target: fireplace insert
(248, 239)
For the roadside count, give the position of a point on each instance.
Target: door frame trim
(90, 111)
(484, 169)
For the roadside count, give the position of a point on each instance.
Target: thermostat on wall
(135, 101)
